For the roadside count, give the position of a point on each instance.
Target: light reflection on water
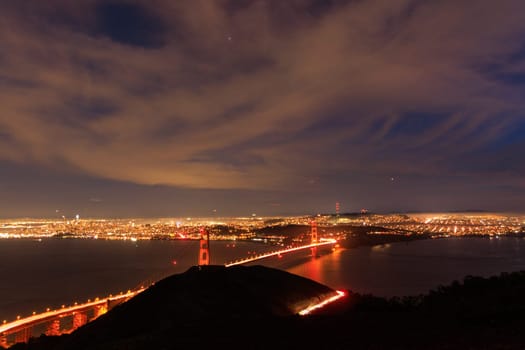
(415, 267)
(36, 275)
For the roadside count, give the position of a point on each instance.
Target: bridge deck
(25, 322)
(279, 252)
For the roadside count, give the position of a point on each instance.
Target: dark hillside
(203, 299)
(254, 308)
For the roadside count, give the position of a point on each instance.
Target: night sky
(234, 107)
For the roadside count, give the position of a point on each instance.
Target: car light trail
(309, 309)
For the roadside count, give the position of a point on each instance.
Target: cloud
(263, 95)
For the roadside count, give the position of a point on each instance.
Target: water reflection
(51, 272)
(326, 267)
(381, 247)
(415, 267)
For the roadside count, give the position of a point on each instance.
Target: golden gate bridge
(20, 330)
(67, 319)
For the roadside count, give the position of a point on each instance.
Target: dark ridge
(204, 298)
(253, 308)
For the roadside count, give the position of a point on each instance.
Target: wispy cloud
(214, 94)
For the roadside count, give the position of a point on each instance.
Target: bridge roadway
(323, 242)
(22, 324)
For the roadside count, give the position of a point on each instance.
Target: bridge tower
(79, 319)
(53, 328)
(100, 310)
(314, 237)
(3, 340)
(204, 251)
(313, 226)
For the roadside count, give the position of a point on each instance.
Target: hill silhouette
(193, 304)
(255, 308)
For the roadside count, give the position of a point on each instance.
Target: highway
(339, 294)
(44, 316)
(279, 252)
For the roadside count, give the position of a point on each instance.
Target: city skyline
(217, 108)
